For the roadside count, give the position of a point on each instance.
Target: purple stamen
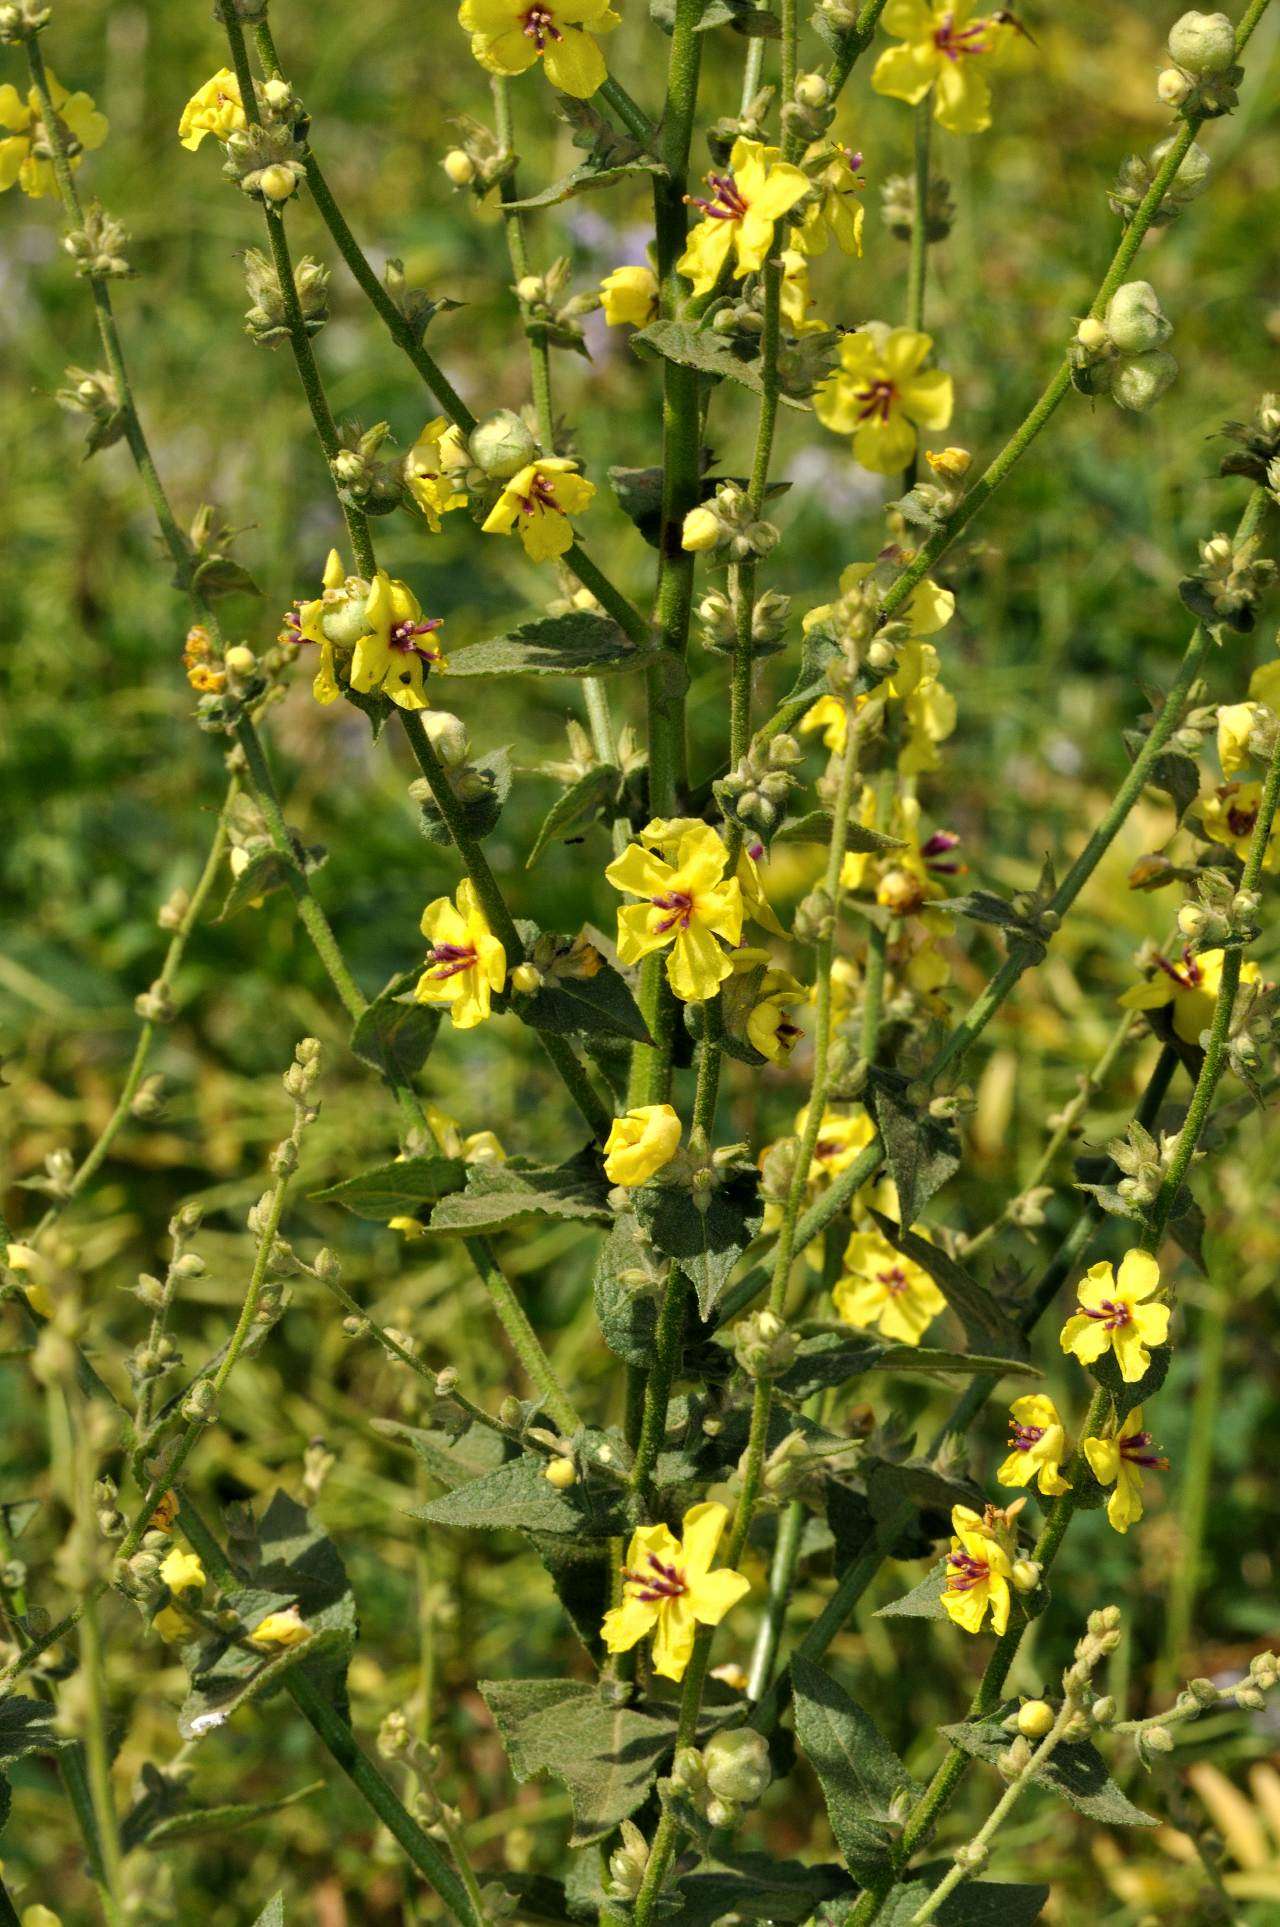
(726, 203)
(539, 26)
(1114, 1316)
(877, 400)
(964, 1572)
(1134, 1448)
(894, 1280)
(663, 1582)
(968, 40)
(1023, 1437)
(447, 959)
(402, 635)
(680, 904)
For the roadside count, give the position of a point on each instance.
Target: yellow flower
(641, 1142)
(393, 653)
(928, 710)
(905, 881)
(768, 1026)
(629, 297)
(1235, 724)
(466, 962)
(172, 1625)
(744, 205)
(427, 473)
(796, 299)
(538, 502)
(1039, 1445)
(508, 36)
(978, 1571)
(837, 213)
(1229, 815)
(882, 394)
(25, 153)
(882, 1288)
(1113, 1312)
(689, 903)
(305, 622)
(669, 1590)
(842, 1138)
(1119, 1461)
(281, 1629)
(23, 1261)
(943, 42)
(182, 1571)
(216, 108)
(475, 1147)
(1190, 987)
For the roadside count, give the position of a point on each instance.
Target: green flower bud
(1203, 43)
(1138, 384)
(1135, 320)
(502, 445)
(737, 1765)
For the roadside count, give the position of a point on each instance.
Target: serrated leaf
(817, 826)
(985, 1321)
(395, 1035)
(501, 1194)
(706, 1245)
(700, 350)
(639, 496)
(482, 811)
(451, 1460)
(26, 1726)
(580, 643)
(576, 809)
(834, 1357)
(756, 1886)
(978, 1903)
(517, 1497)
(922, 1152)
(607, 1757)
(923, 1601)
(860, 1774)
(627, 1317)
(397, 1189)
(892, 1484)
(589, 176)
(1076, 1771)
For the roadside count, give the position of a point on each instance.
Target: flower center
(1023, 1437)
(954, 41)
(726, 203)
(660, 1582)
(940, 844)
(964, 1572)
(680, 904)
(877, 399)
(541, 496)
(1114, 1314)
(402, 636)
(1187, 976)
(447, 959)
(1241, 819)
(539, 26)
(1137, 1449)
(894, 1280)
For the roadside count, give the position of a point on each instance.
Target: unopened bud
(1026, 1574)
(561, 1474)
(277, 182)
(459, 167)
(1203, 43)
(526, 977)
(1035, 1717)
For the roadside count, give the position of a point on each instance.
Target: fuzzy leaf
(395, 1035)
(860, 1774)
(892, 1484)
(1127, 1397)
(500, 1194)
(833, 1357)
(160, 1815)
(588, 176)
(922, 1152)
(451, 1461)
(705, 1244)
(482, 811)
(398, 1189)
(1076, 1771)
(578, 644)
(599, 1006)
(264, 873)
(628, 1317)
(984, 1319)
(26, 1726)
(701, 350)
(1173, 771)
(517, 1497)
(607, 1757)
(923, 1601)
(272, 1914)
(576, 809)
(978, 1903)
(817, 826)
(639, 495)
(756, 1886)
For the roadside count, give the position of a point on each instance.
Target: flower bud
(240, 660)
(1026, 1575)
(737, 1765)
(278, 182)
(531, 289)
(813, 90)
(459, 167)
(1203, 43)
(1159, 1739)
(721, 1813)
(1034, 1718)
(448, 737)
(703, 531)
(628, 1862)
(1103, 1711)
(1135, 320)
(502, 445)
(526, 977)
(1092, 335)
(1173, 86)
(1139, 383)
(561, 1474)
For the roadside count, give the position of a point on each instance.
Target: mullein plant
(748, 1291)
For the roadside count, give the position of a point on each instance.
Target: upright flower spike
(629, 297)
(837, 212)
(1114, 1312)
(883, 1289)
(25, 153)
(1189, 988)
(669, 1589)
(740, 213)
(979, 1569)
(466, 962)
(688, 904)
(1120, 1459)
(944, 48)
(216, 108)
(538, 503)
(510, 36)
(398, 646)
(882, 395)
(640, 1143)
(430, 472)
(1038, 1446)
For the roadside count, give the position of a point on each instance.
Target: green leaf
(756, 1886)
(541, 1899)
(701, 350)
(1125, 1396)
(1173, 771)
(923, 1601)
(576, 809)
(817, 826)
(586, 178)
(639, 494)
(580, 643)
(26, 1726)
(984, 1319)
(395, 1035)
(628, 1316)
(832, 1356)
(160, 1813)
(607, 1757)
(864, 1783)
(517, 1497)
(914, 1482)
(598, 1006)
(706, 1245)
(501, 1194)
(6, 1802)
(263, 874)
(978, 1903)
(922, 1152)
(482, 811)
(272, 1914)
(1076, 1770)
(398, 1189)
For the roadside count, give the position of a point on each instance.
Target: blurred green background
(1068, 616)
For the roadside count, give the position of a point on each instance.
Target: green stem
(661, 1376)
(517, 248)
(1193, 1500)
(782, 1572)
(918, 260)
(633, 118)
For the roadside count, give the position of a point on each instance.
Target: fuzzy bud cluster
(1133, 182)
(728, 525)
(769, 617)
(97, 246)
(751, 124)
(1122, 354)
(93, 393)
(265, 161)
(20, 19)
(754, 795)
(811, 109)
(628, 1863)
(763, 1345)
(1203, 78)
(898, 207)
(266, 319)
(364, 481)
(1234, 573)
(730, 1773)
